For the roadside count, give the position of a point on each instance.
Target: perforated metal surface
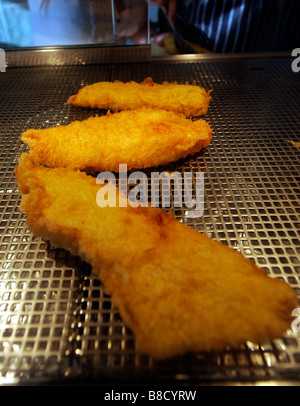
(56, 323)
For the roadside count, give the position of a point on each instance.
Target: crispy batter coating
(178, 290)
(140, 138)
(191, 100)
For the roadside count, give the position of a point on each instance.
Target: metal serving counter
(56, 324)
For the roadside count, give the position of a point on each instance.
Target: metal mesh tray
(56, 323)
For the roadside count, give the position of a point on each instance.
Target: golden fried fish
(139, 138)
(178, 290)
(191, 100)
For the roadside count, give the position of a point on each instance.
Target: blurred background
(170, 27)
(27, 23)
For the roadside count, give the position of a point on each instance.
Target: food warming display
(60, 319)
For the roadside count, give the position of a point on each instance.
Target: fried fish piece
(139, 138)
(191, 100)
(178, 290)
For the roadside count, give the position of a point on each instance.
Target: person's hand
(172, 7)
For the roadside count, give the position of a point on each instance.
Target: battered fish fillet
(178, 290)
(191, 100)
(140, 138)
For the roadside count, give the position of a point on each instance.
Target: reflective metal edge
(90, 55)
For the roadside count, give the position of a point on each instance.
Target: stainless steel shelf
(56, 323)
